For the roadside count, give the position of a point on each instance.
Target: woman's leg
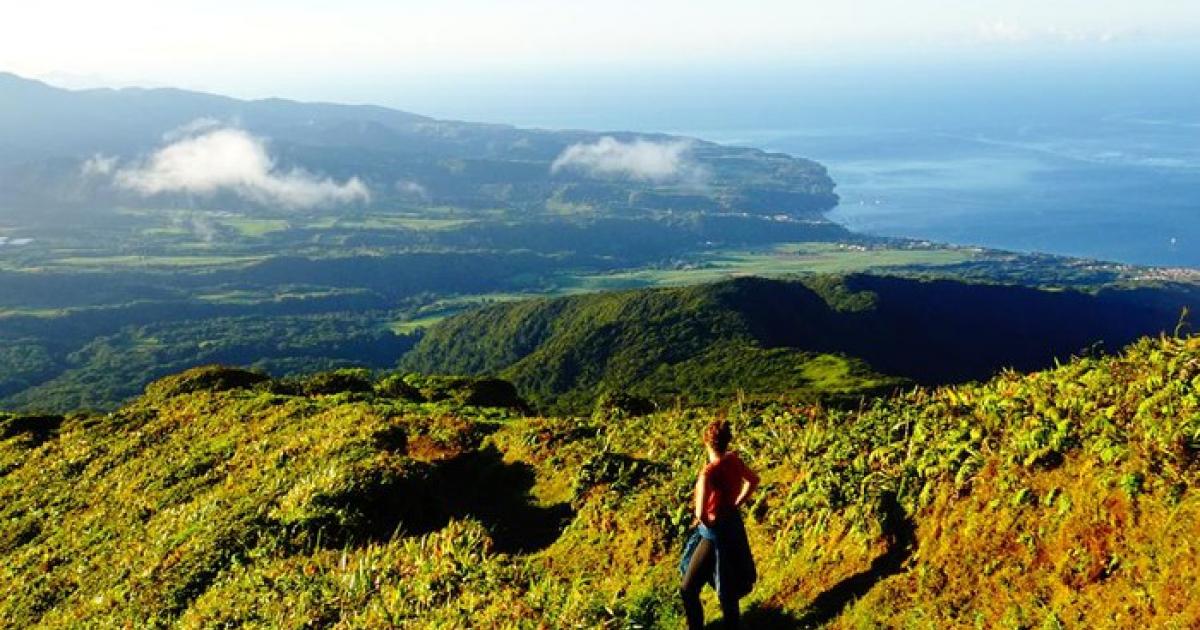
(731, 613)
(698, 573)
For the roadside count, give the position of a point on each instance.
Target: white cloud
(1013, 32)
(232, 160)
(640, 159)
(412, 189)
(203, 228)
(98, 165)
(1003, 31)
(193, 128)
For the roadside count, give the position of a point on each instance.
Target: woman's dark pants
(699, 572)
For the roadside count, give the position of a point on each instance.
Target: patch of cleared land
(131, 261)
(784, 259)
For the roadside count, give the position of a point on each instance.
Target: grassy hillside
(217, 499)
(811, 337)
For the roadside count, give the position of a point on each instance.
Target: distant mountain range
(68, 150)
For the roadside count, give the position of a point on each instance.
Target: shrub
(624, 404)
(346, 380)
(394, 386)
(211, 378)
(474, 391)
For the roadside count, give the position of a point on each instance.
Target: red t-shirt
(724, 478)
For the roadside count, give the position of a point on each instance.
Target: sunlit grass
(440, 309)
(403, 327)
(1062, 498)
(253, 228)
(245, 296)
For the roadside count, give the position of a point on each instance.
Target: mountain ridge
(883, 330)
(405, 159)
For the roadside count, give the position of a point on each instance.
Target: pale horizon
(432, 59)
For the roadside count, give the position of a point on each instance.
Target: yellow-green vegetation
(241, 296)
(32, 312)
(164, 262)
(405, 326)
(221, 498)
(391, 222)
(167, 231)
(434, 312)
(252, 227)
(203, 224)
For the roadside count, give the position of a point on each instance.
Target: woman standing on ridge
(718, 552)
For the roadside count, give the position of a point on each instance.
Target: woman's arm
(749, 484)
(700, 495)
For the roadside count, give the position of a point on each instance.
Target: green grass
(419, 223)
(440, 309)
(834, 374)
(32, 312)
(167, 231)
(164, 262)
(389, 222)
(783, 259)
(403, 327)
(244, 296)
(178, 222)
(254, 228)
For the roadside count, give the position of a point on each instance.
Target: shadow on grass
(481, 485)
(901, 532)
(759, 617)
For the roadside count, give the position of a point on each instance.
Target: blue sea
(1126, 191)
(1094, 153)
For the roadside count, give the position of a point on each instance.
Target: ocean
(1127, 191)
(1095, 153)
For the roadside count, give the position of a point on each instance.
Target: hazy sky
(347, 50)
(196, 41)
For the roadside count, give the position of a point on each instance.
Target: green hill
(224, 499)
(818, 336)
